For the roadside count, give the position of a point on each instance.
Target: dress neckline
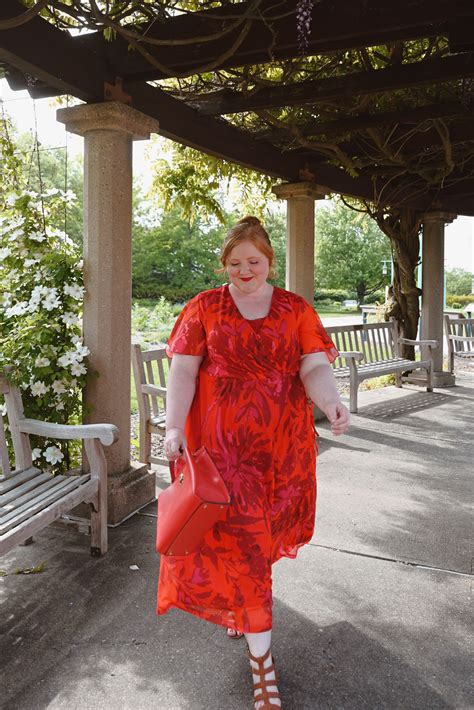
(249, 320)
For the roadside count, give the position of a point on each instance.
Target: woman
(248, 359)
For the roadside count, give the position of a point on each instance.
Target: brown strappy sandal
(264, 695)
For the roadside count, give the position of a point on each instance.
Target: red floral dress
(252, 414)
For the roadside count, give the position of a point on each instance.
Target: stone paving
(375, 613)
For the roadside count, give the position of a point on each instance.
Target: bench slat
(46, 481)
(34, 506)
(47, 515)
(18, 491)
(17, 478)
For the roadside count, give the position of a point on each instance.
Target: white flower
(3, 410)
(30, 262)
(75, 291)
(77, 339)
(37, 236)
(70, 318)
(4, 253)
(6, 300)
(38, 388)
(82, 351)
(58, 387)
(42, 362)
(30, 193)
(65, 359)
(35, 454)
(73, 383)
(53, 454)
(59, 405)
(51, 300)
(51, 191)
(78, 368)
(80, 264)
(17, 310)
(69, 196)
(14, 235)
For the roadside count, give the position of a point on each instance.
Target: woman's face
(247, 267)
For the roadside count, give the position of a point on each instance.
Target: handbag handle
(172, 464)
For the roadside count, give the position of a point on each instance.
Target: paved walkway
(375, 613)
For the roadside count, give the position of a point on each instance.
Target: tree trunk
(402, 226)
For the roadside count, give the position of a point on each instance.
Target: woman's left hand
(338, 416)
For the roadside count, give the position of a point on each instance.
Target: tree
(459, 282)
(350, 250)
(53, 169)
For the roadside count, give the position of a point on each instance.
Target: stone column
(109, 129)
(300, 197)
(432, 327)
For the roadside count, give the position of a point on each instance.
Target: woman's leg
(258, 646)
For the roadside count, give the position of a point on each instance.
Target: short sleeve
(312, 335)
(188, 336)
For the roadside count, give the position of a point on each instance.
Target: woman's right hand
(175, 443)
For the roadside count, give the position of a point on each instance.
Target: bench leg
(354, 386)
(429, 379)
(26, 542)
(145, 443)
(98, 465)
(398, 379)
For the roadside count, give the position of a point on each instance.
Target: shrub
(457, 301)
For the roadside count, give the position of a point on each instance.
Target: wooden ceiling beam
(335, 27)
(45, 53)
(430, 71)
(360, 123)
(32, 48)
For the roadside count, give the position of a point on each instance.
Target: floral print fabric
(252, 414)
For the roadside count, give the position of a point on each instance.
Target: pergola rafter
(50, 61)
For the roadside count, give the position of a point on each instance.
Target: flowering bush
(41, 294)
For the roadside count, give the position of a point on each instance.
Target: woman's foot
(233, 633)
(265, 692)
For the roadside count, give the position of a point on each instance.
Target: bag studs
(181, 477)
(205, 505)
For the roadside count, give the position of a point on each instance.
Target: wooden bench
(460, 337)
(31, 499)
(373, 349)
(150, 368)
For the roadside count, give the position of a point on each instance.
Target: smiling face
(247, 267)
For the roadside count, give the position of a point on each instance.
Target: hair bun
(254, 221)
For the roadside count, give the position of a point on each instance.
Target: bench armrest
(356, 354)
(107, 433)
(462, 338)
(408, 341)
(154, 390)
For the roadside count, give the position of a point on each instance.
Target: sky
(459, 239)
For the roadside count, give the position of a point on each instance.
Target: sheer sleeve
(188, 336)
(312, 335)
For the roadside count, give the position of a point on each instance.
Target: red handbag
(191, 505)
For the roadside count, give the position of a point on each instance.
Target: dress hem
(207, 616)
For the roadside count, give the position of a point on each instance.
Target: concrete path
(375, 613)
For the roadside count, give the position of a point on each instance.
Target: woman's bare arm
(320, 386)
(180, 394)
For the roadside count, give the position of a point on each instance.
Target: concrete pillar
(109, 129)
(300, 197)
(432, 327)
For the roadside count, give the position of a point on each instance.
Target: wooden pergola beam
(83, 77)
(370, 120)
(358, 25)
(430, 71)
(41, 51)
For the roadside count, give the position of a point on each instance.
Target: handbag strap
(172, 470)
